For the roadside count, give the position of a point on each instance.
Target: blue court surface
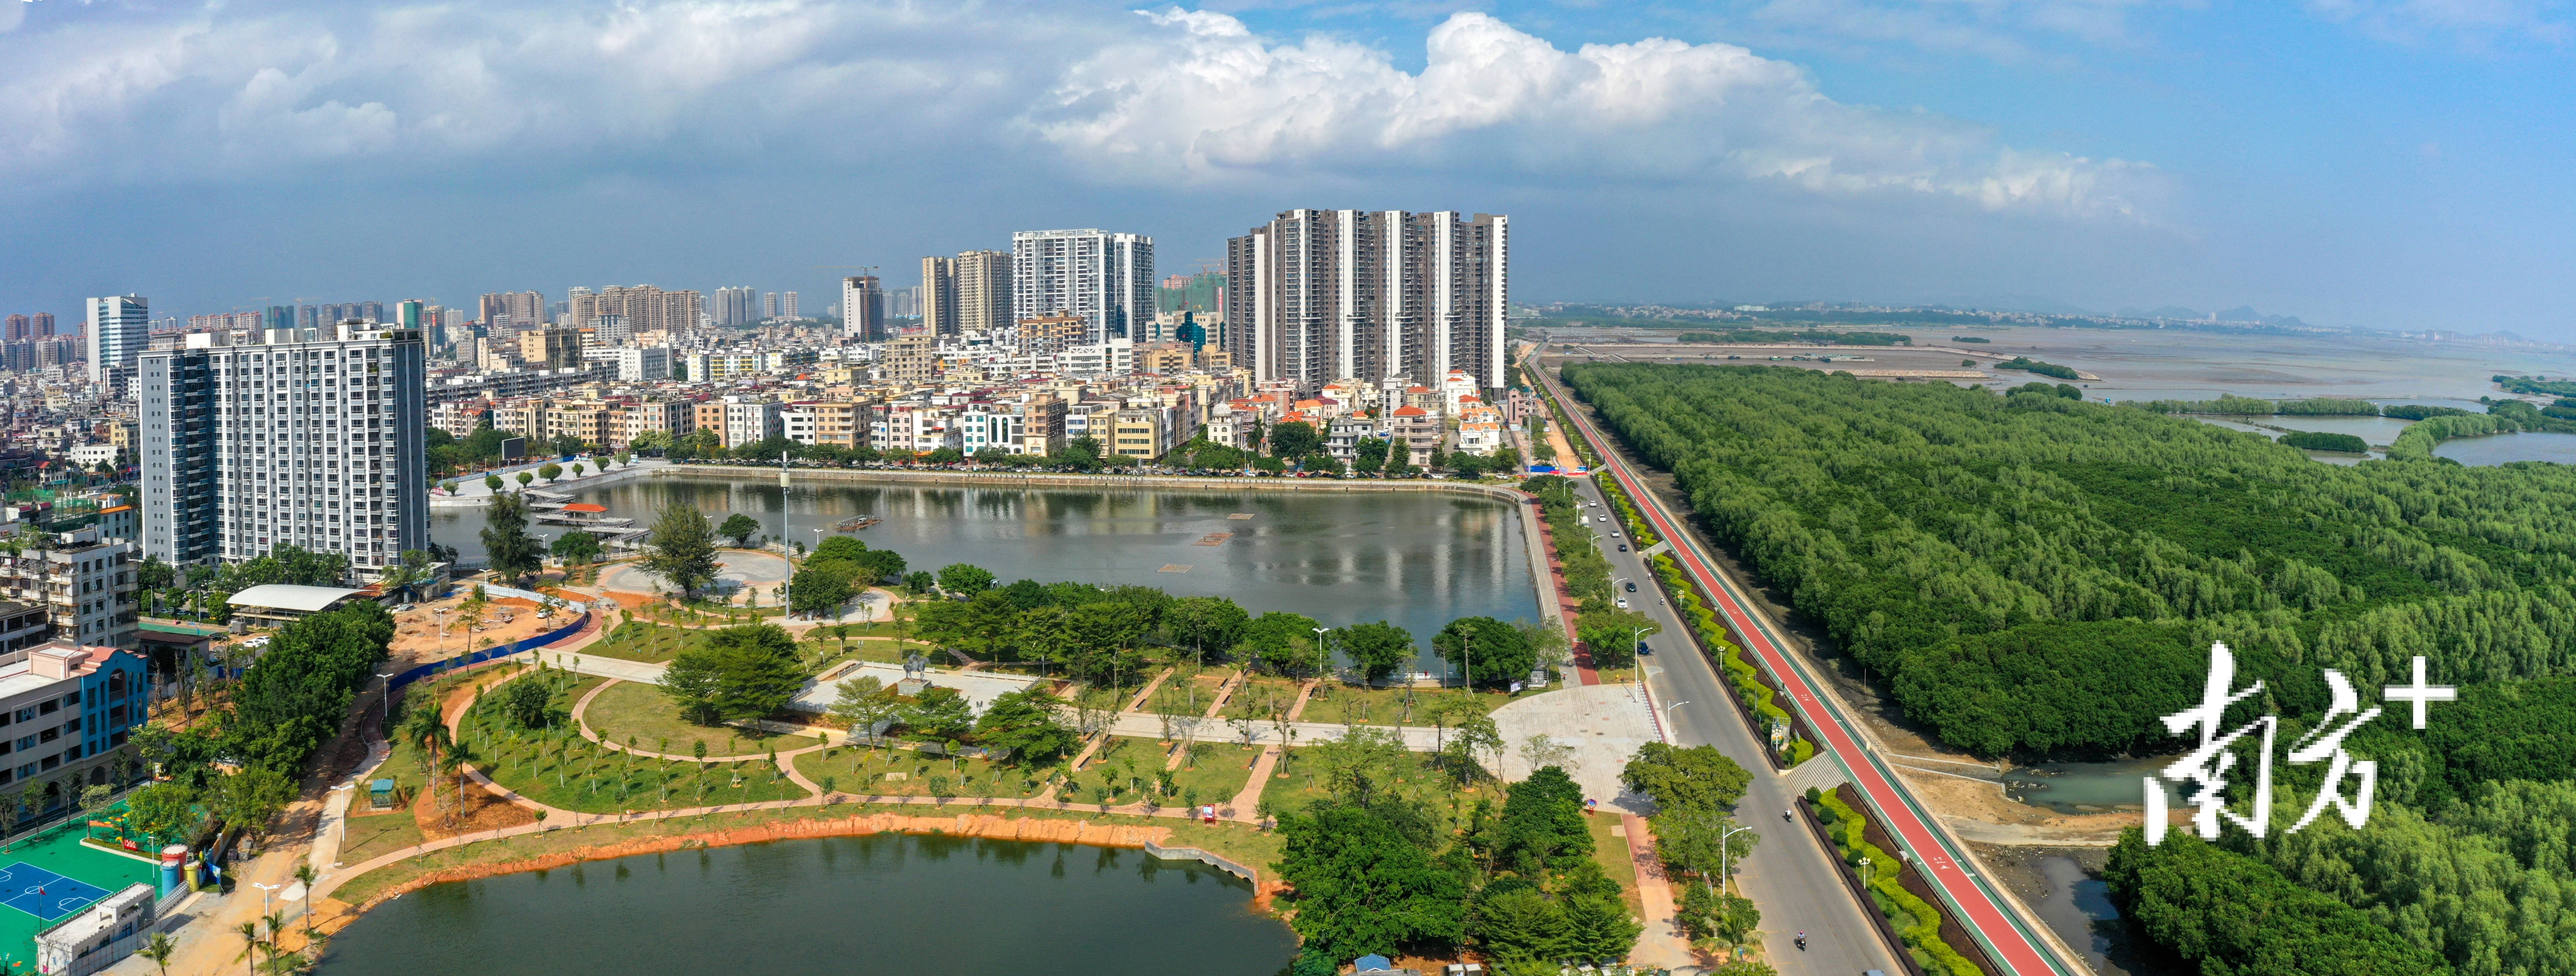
(43, 893)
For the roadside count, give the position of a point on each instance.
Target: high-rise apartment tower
(1319, 295)
(304, 436)
(967, 293)
(1108, 279)
(119, 329)
(863, 308)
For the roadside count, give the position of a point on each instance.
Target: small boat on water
(856, 522)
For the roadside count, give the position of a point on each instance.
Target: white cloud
(256, 90)
(252, 89)
(2474, 24)
(1200, 98)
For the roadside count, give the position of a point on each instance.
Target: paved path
(1806, 894)
(1603, 725)
(1249, 801)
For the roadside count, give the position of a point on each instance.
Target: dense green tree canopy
(2241, 918)
(1362, 886)
(2034, 573)
(1379, 649)
(1485, 650)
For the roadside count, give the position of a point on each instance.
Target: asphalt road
(1692, 678)
(1789, 875)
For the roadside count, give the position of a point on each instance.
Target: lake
(2479, 452)
(1418, 559)
(885, 904)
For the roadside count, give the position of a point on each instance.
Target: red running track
(2006, 941)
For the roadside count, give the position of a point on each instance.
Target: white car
(1601, 518)
(1623, 603)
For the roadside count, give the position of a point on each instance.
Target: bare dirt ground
(417, 641)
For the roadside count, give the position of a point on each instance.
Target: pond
(883, 905)
(1418, 559)
(2480, 452)
(2090, 787)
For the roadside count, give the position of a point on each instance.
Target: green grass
(1259, 696)
(1410, 775)
(1218, 773)
(640, 711)
(593, 779)
(376, 835)
(866, 772)
(648, 642)
(1350, 704)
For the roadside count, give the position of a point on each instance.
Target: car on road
(1632, 587)
(1623, 547)
(1601, 518)
(1645, 649)
(1623, 603)
(1615, 535)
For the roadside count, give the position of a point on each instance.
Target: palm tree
(305, 875)
(421, 726)
(250, 944)
(159, 951)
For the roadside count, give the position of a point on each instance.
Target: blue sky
(2398, 164)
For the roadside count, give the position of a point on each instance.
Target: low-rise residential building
(676, 418)
(1343, 434)
(1418, 430)
(1138, 433)
(64, 707)
(86, 587)
(749, 420)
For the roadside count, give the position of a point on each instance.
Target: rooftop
(281, 596)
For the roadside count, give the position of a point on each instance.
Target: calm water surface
(2479, 452)
(1417, 559)
(885, 905)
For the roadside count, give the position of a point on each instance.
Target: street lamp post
(1319, 645)
(384, 704)
(264, 890)
(1722, 872)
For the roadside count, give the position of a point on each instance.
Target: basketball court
(46, 877)
(43, 893)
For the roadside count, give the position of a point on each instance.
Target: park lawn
(864, 771)
(648, 642)
(1612, 852)
(378, 834)
(1217, 773)
(591, 778)
(1354, 705)
(1237, 842)
(1260, 698)
(833, 652)
(1411, 776)
(639, 711)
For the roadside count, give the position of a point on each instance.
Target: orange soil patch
(630, 601)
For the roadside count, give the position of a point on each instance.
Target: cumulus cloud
(256, 90)
(1201, 98)
(251, 89)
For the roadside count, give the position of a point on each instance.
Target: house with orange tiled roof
(1417, 429)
